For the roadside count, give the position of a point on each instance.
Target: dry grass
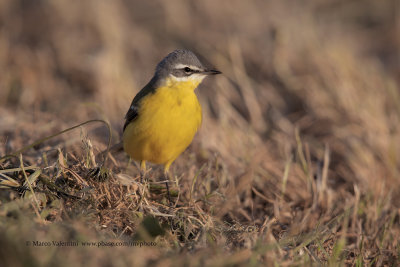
(296, 163)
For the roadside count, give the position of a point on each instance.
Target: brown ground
(296, 163)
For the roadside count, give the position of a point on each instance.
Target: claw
(101, 173)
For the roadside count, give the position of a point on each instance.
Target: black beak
(211, 72)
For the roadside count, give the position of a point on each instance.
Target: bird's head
(182, 66)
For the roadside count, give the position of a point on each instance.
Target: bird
(165, 115)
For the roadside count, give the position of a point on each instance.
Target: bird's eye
(187, 70)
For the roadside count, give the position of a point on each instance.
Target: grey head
(180, 64)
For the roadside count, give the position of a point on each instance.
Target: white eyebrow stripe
(181, 66)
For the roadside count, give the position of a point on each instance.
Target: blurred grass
(300, 139)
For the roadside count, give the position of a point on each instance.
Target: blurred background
(330, 68)
(313, 85)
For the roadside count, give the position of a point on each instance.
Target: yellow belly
(166, 124)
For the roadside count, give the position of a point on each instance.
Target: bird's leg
(142, 171)
(166, 176)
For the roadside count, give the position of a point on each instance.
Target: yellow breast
(166, 124)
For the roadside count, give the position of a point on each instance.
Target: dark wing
(131, 114)
(133, 111)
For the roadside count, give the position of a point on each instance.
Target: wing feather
(133, 111)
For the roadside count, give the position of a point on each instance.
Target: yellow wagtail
(166, 114)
